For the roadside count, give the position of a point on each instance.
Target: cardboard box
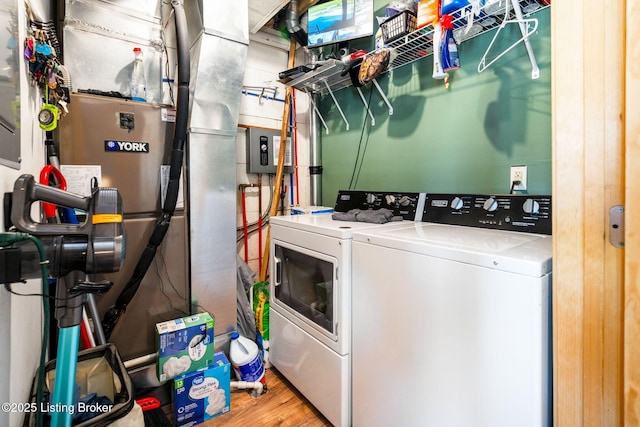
(202, 395)
(304, 210)
(184, 345)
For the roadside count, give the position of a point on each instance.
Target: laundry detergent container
(99, 371)
(450, 6)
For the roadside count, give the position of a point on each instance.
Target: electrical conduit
(295, 148)
(290, 139)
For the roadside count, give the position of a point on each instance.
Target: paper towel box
(184, 345)
(202, 395)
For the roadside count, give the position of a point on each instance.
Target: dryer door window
(306, 285)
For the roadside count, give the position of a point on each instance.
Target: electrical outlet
(518, 173)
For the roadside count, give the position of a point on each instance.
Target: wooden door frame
(596, 136)
(632, 218)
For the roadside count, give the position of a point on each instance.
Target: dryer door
(304, 286)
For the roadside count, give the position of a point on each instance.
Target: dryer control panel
(512, 212)
(402, 204)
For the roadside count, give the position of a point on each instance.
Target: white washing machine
(451, 319)
(310, 284)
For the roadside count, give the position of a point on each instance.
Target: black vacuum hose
(114, 313)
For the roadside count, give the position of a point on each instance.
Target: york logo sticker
(126, 146)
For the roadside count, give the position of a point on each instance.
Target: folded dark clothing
(378, 216)
(346, 216)
(374, 216)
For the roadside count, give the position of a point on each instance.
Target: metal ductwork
(200, 248)
(293, 24)
(219, 44)
(220, 41)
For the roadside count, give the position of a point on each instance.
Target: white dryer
(310, 284)
(451, 319)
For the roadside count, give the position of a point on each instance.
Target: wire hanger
(527, 27)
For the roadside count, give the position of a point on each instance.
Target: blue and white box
(184, 345)
(305, 210)
(202, 395)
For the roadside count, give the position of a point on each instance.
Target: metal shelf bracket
(335, 101)
(364, 101)
(384, 97)
(315, 108)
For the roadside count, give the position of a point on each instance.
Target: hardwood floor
(282, 405)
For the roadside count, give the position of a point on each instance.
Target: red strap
(84, 335)
(49, 208)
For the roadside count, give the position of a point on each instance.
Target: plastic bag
(261, 307)
(396, 7)
(373, 64)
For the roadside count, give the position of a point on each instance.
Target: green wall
(461, 140)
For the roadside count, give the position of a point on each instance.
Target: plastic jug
(246, 359)
(138, 81)
(450, 6)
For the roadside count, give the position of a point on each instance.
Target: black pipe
(114, 313)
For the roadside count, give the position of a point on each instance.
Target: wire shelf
(419, 44)
(331, 77)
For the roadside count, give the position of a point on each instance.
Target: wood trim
(264, 272)
(632, 218)
(587, 111)
(613, 193)
(567, 178)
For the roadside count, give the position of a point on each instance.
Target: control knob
(490, 205)
(390, 199)
(530, 206)
(405, 201)
(371, 198)
(457, 203)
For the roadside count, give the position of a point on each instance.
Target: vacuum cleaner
(95, 245)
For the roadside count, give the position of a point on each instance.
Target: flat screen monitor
(337, 21)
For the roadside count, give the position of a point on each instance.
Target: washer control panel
(512, 212)
(402, 204)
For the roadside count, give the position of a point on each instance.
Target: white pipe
(315, 154)
(139, 361)
(257, 386)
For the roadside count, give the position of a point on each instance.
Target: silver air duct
(220, 41)
(294, 26)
